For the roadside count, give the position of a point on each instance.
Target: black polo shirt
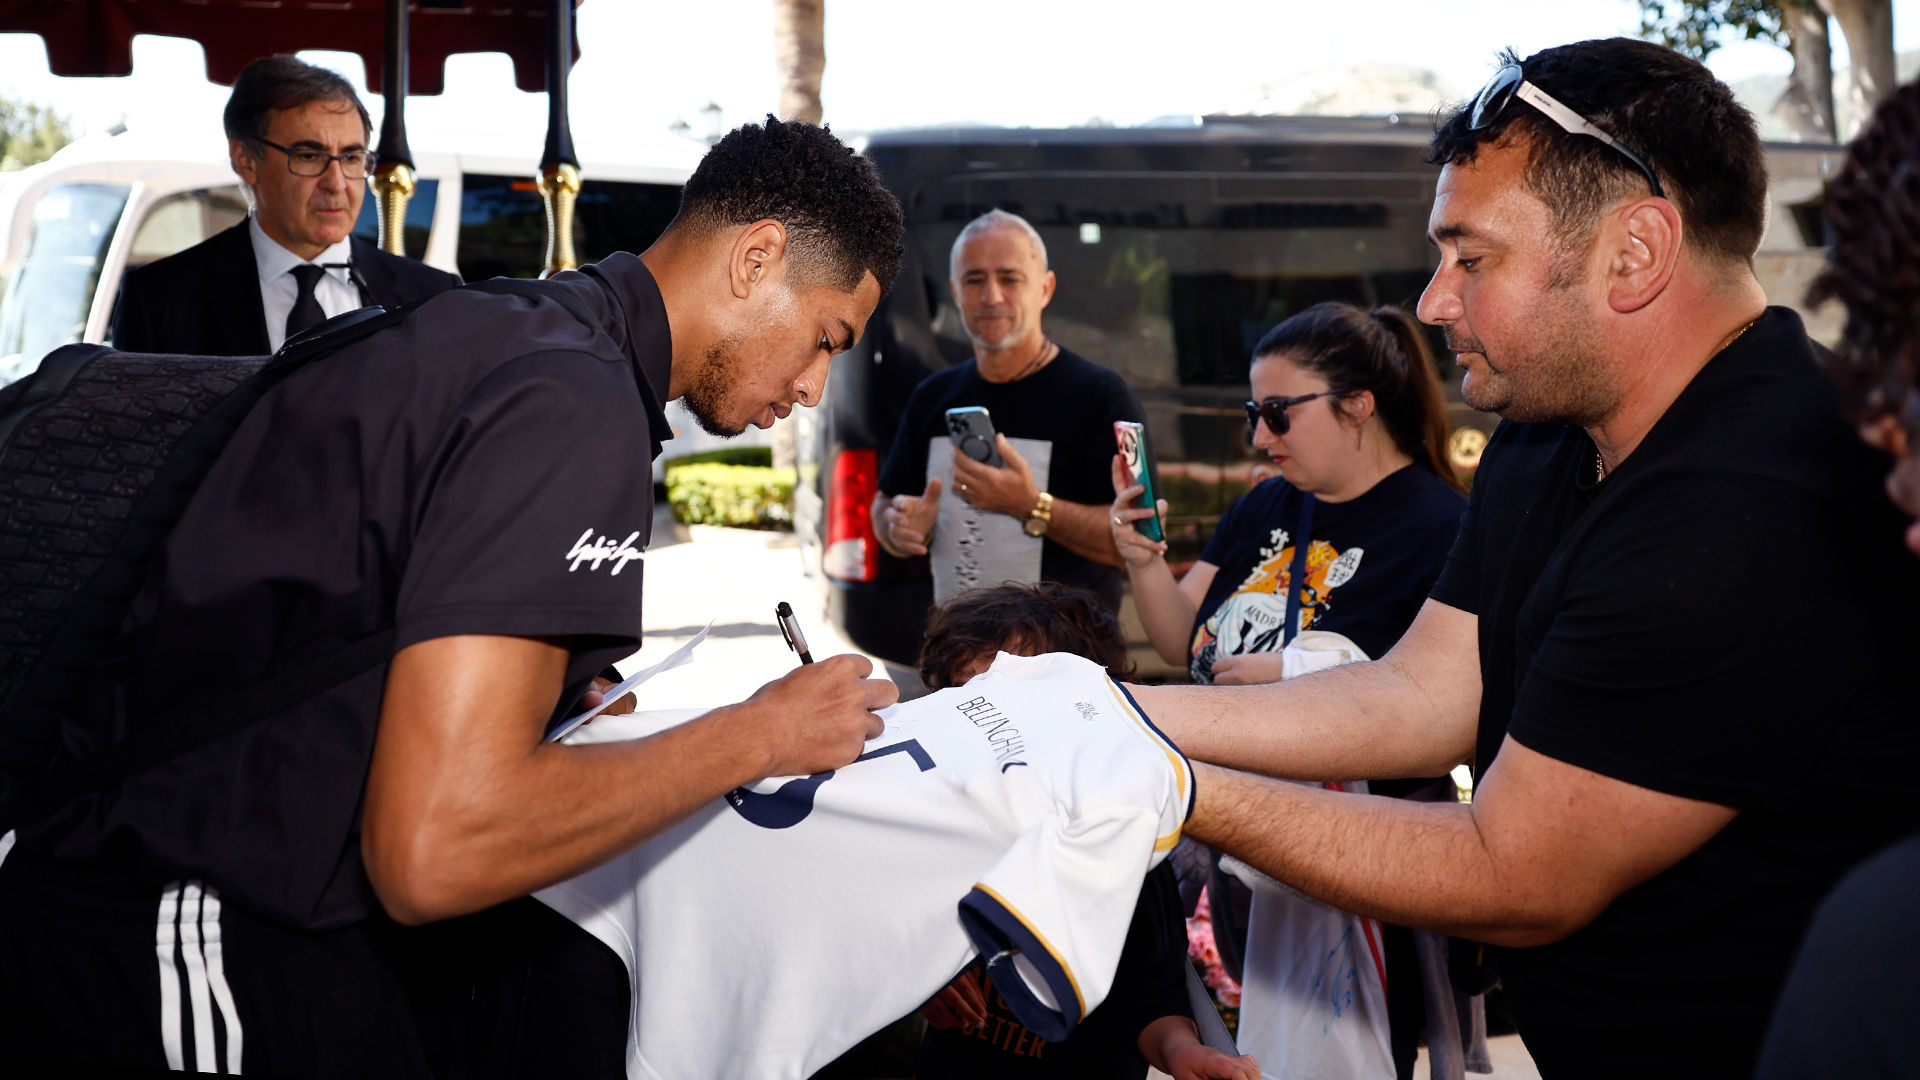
(481, 468)
(1728, 617)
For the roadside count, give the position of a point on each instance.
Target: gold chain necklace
(1600, 462)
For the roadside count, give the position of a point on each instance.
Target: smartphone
(972, 431)
(1136, 453)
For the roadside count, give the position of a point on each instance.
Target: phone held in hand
(1136, 453)
(972, 431)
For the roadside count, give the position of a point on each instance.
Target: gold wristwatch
(1040, 516)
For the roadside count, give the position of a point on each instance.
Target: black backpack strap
(540, 290)
(19, 399)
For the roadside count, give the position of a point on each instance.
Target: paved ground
(735, 577)
(1510, 1061)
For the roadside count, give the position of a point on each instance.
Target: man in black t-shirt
(474, 481)
(1043, 516)
(1672, 636)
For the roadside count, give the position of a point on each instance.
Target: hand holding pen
(814, 718)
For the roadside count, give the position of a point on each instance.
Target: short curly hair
(1669, 108)
(1026, 620)
(1873, 269)
(841, 222)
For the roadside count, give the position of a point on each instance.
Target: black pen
(790, 629)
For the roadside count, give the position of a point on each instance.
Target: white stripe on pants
(189, 924)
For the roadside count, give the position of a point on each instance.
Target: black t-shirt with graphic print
(1728, 617)
(480, 468)
(1071, 403)
(1370, 565)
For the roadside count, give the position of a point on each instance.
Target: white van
(71, 227)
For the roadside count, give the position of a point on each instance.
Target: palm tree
(1868, 27)
(800, 52)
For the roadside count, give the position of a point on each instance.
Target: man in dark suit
(298, 136)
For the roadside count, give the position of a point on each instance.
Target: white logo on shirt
(601, 550)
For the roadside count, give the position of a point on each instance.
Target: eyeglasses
(310, 161)
(1510, 82)
(1274, 409)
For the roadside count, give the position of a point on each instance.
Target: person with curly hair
(1147, 1019)
(1674, 636)
(460, 498)
(1847, 1009)
(1872, 209)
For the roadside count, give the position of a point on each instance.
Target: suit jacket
(205, 301)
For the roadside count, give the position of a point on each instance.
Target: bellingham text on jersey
(1001, 735)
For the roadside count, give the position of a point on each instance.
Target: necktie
(306, 307)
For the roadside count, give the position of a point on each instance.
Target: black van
(1176, 248)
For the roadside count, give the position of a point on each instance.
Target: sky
(899, 63)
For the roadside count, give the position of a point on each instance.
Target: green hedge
(728, 455)
(741, 496)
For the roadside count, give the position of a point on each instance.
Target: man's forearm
(1413, 864)
(467, 805)
(1356, 722)
(1083, 530)
(557, 812)
(1414, 712)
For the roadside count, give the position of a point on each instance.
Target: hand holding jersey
(1245, 669)
(960, 1004)
(597, 694)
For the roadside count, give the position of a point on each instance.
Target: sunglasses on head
(1274, 410)
(1510, 82)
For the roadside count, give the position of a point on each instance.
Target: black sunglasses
(1510, 82)
(1274, 409)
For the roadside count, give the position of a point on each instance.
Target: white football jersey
(1014, 817)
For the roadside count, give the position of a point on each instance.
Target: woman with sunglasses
(1347, 404)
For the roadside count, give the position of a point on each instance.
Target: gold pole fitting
(393, 185)
(559, 186)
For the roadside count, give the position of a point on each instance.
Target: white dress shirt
(279, 288)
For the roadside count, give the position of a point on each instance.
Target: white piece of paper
(680, 656)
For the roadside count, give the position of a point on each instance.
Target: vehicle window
(180, 221)
(503, 226)
(51, 291)
(414, 230)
